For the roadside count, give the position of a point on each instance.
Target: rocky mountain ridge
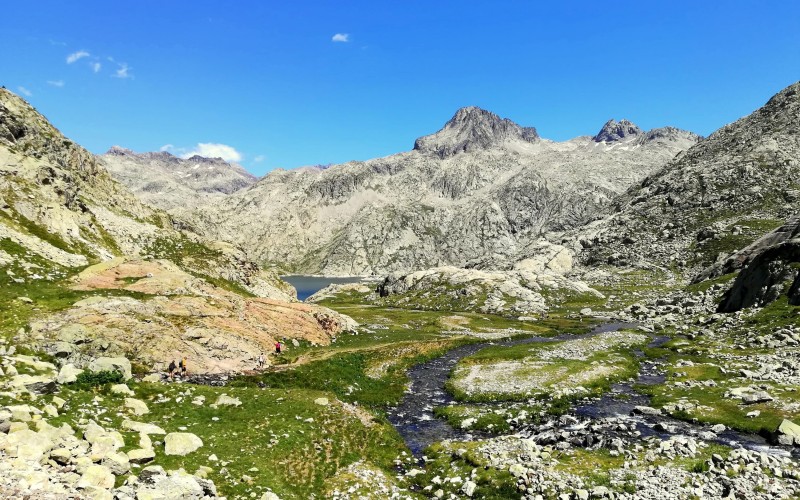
(166, 181)
(711, 201)
(478, 192)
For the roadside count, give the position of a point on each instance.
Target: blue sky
(274, 84)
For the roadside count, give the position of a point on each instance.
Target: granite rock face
(479, 192)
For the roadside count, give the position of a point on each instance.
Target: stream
(414, 417)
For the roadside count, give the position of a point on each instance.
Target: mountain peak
(473, 129)
(614, 131)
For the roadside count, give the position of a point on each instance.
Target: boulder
(225, 400)
(47, 386)
(756, 397)
(788, 433)
(136, 406)
(118, 463)
(98, 476)
(27, 445)
(141, 455)
(181, 443)
(142, 428)
(321, 401)
(68, 374)
(175, 487)
(121, 389)
(121, 365)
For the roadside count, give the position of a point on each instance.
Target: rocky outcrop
(710, 201)
(167, 181)
(771, 269)
(479, 192)
(171, 314)
(521, 291)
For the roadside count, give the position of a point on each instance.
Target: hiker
(278, 347)
(183, 367)
(172, 368)
(261, 360)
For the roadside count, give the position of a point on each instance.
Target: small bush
(94, 379)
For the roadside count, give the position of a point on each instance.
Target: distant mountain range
(477, 192)
(167, 181)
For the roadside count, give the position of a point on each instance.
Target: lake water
(309, 285)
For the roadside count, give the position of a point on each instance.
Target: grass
(268, 438)
(548, 376)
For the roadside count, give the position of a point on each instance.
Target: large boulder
(771, 270)
(121, 365)
(181, 443)
(788, 433)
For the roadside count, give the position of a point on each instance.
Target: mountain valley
(612, 316)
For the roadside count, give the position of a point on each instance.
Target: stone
(756, 397)
(181, 443)
(42, 387)
(153, 377)
(321, 401)
(98, 476)
(120, 364)
(121, 389)
(118, 463)
(175, 487)
(788, 433)
(68, 374)
(58, 402)
(469, 488)
(718, 428)
(142, 428)
(136, 406)
(61, 455)
(225, 400)
(27, 445)
(141, 455)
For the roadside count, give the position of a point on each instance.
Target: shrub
(94, 379)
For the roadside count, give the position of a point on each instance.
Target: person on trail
(261, 360)
(183, 367)
(278, 347)
(172, 368)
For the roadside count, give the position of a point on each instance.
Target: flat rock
(141, 455)
(142, 428)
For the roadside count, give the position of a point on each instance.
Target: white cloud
(24, 91)
(341, 37)
(122, 71)
(96, 66)
(259, 159)
(166, 147)
(56, 83)
(213, 150)
(75, 56)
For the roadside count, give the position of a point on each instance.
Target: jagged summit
(614, 131)
(473, 129)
